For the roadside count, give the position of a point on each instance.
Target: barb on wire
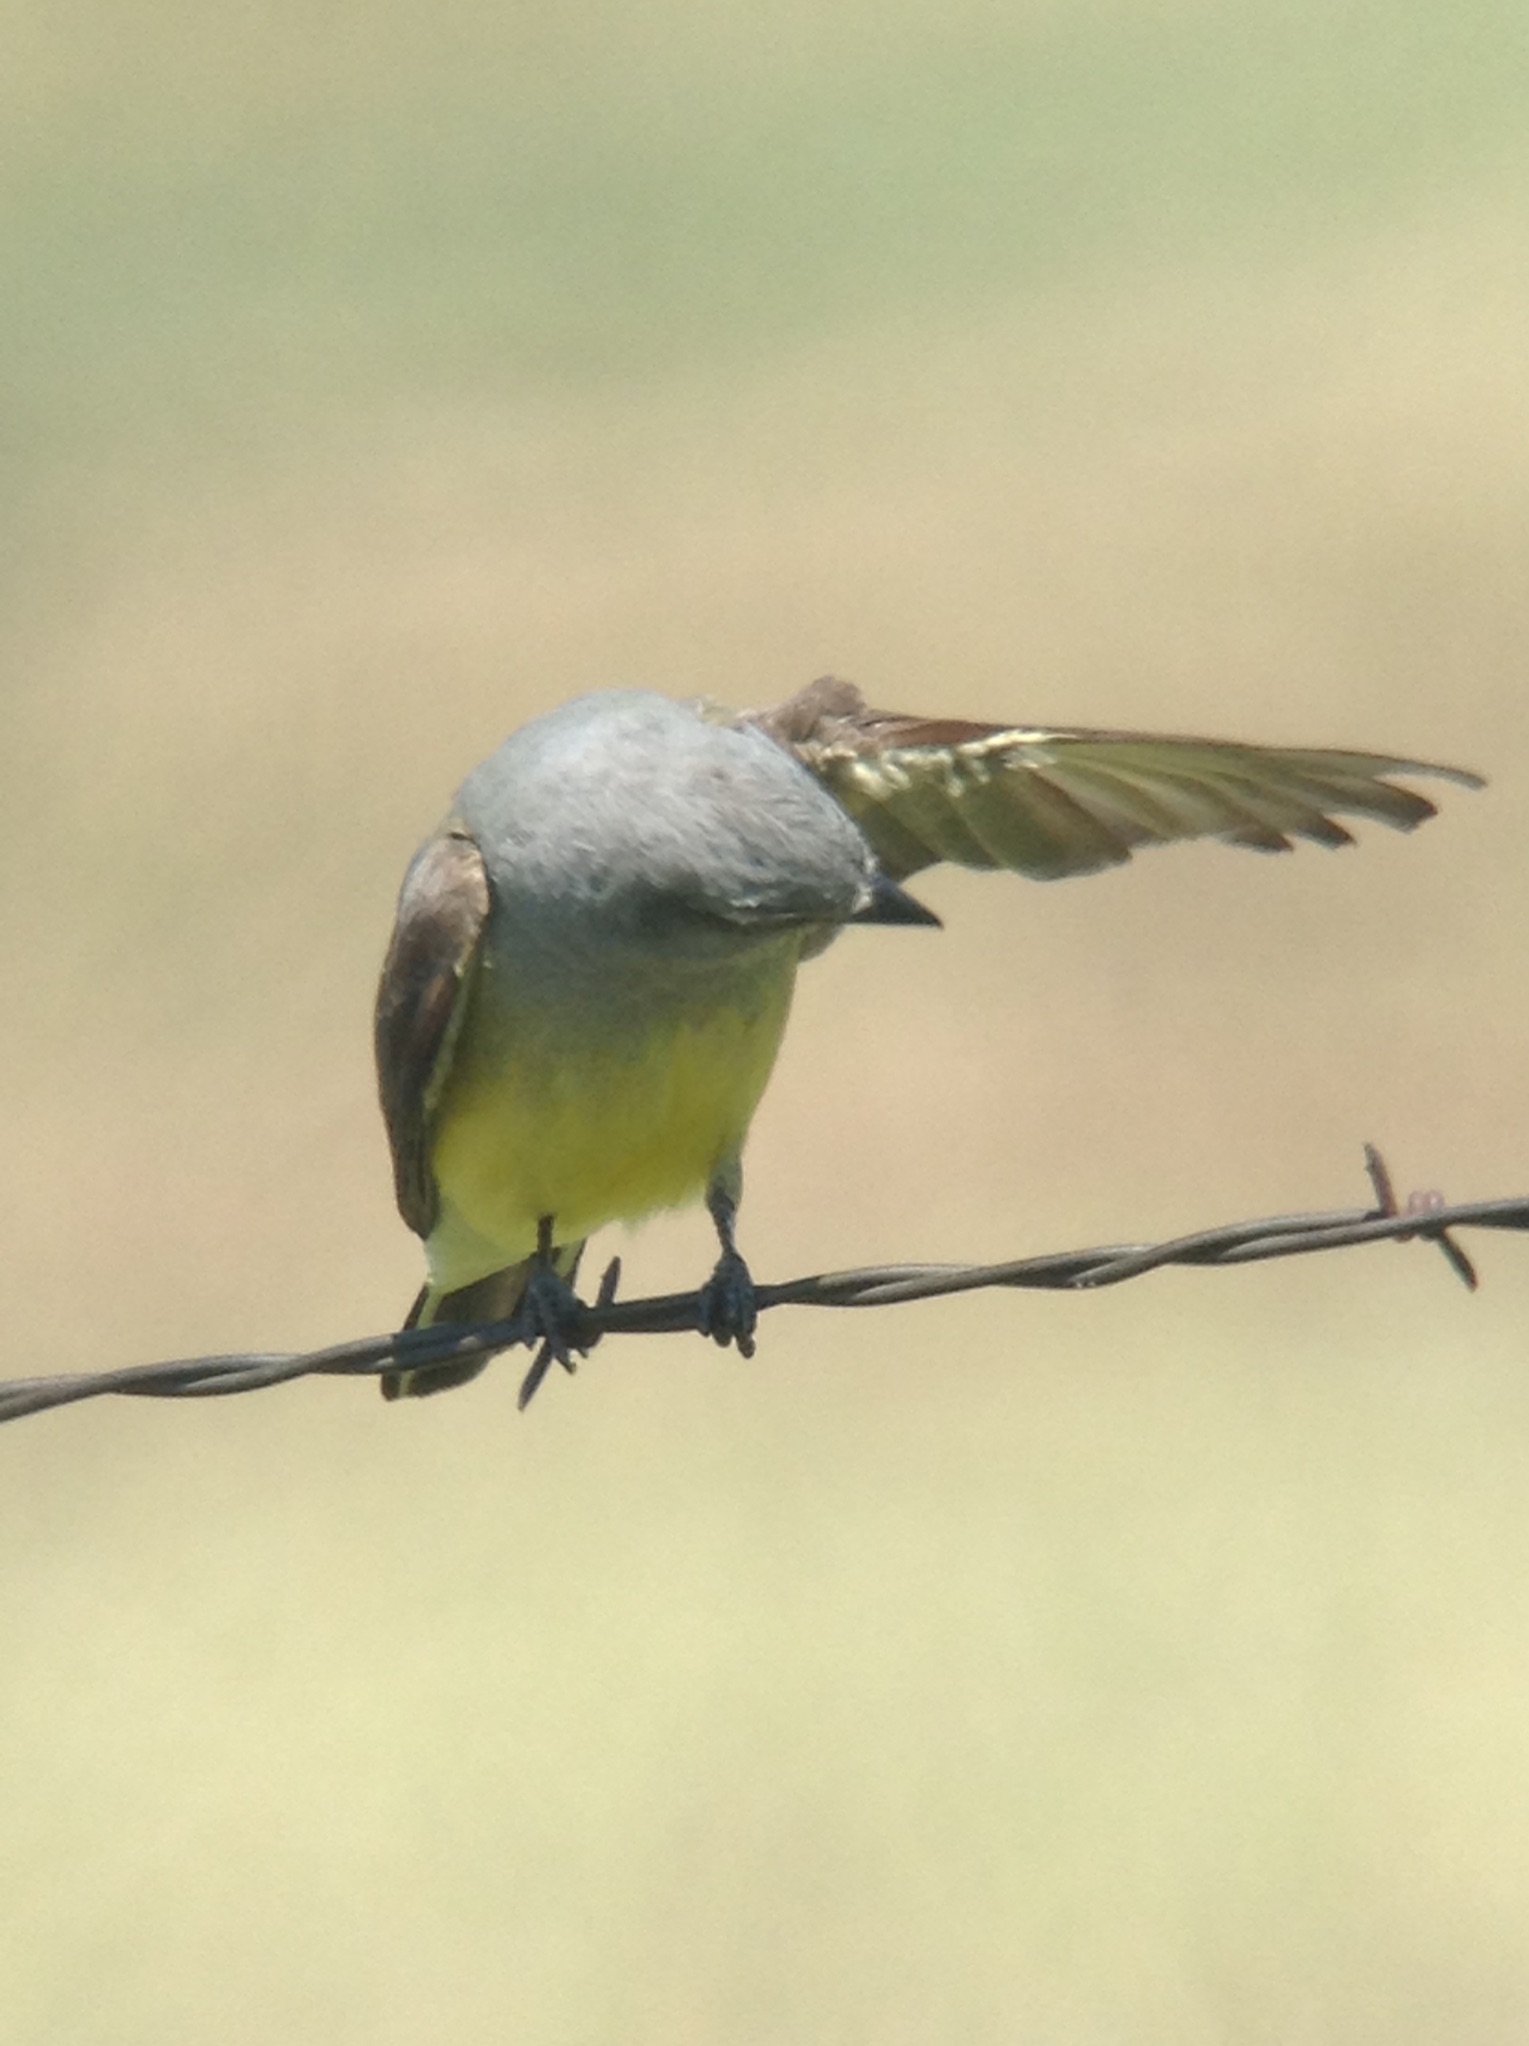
(1424, 1215)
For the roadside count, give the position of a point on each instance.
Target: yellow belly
(592, 1133)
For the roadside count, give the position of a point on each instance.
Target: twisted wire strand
(1425, 1216)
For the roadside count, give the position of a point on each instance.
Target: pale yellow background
(1142, 1668)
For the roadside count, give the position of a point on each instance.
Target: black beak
(887, 903)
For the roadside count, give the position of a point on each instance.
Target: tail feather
(494, 1298)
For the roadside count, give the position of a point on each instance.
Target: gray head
(626, 815)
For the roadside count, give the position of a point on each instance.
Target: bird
(593, 956)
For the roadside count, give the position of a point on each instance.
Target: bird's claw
(556, 1320)
(729, 1305)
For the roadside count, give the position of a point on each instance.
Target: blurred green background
(1142, 1668)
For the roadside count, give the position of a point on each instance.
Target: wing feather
(1050, 802)
(426, 979)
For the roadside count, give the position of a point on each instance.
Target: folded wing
(421, 999)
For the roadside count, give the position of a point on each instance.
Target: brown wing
(1053, 802)
(442, 909)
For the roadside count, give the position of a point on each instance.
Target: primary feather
(1048, 801)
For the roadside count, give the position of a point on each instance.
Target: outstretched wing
(423, 992)
(1052, 802)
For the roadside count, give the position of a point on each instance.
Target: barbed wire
(1424, 1216)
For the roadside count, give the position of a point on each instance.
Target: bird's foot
(557, 1322)
(729, 1311)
